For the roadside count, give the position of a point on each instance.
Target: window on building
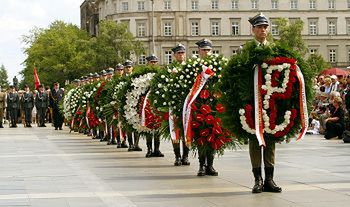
(348, 26)
(194, 52)
(168, 29)
(313, 51)
(312, 4)
(140, 5)
(294, 4)
(349, 55)
(215, 28)
(254, 4)
(234, 52)
(167, 4)
(313, 26)
(274, 28)
(195, 28)
(168, 57)
(293, 20)
(195, 5)
(234, 4)
(142, 60)
(332, 28)
(332, 55)
(141, 29)
(348, 4)
(331, 4)
(216, 51)
(274, 4)
(125, 6)
(127, 23)
(214, 4)
(235, 27)
(115, 7)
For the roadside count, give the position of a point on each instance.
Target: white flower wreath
(140, 85)
(71, 102)
(270, 90)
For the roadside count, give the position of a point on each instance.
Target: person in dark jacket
(27, 105)
(41, 103)
(13, 106)
(56, 96)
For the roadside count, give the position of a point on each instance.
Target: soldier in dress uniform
(133, 137)
(13, 106)
(206, 159)
(260, 26)
(2, 107)
(119, 72)
(152, 60)
(27, 105)
(205, 47)
(179, 52)
(41, 104)
(56, 96)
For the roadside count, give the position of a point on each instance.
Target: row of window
(332, 54)
(215, 27)
(293, 4)
(168, 57)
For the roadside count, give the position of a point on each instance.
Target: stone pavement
(41, 167)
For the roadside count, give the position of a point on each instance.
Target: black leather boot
(186, 150)
(124, 145)
(258, 186)
(177, 155)
(131, 145)
(136, 145)
(201, 170)
(269, 184)
(209, 170)
(157, 152)
(149, 148)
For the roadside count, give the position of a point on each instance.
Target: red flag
(36, 79)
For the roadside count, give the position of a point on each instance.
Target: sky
(18, 17)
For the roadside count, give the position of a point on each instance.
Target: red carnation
(217, 122)
(220, 108)
(204, 94)
(166, 116)
(199, 117)
(201, 141)
(204, 132)
(211, 138)
(217, 130)
(205, 109)
(194, 107)
(195, 124)
(214, 145)
(209, 119)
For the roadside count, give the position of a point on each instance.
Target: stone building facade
(225, 22)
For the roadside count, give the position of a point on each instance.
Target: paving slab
(43, 167)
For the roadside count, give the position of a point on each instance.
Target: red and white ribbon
(259, 122)
(302, 105)
(198, 85)
(143, 112)
(174, 132)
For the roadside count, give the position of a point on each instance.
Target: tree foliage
(64, 52)
(4, 83)
(290, 34)
(60, 52)
(317, 63)
(114, 43)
